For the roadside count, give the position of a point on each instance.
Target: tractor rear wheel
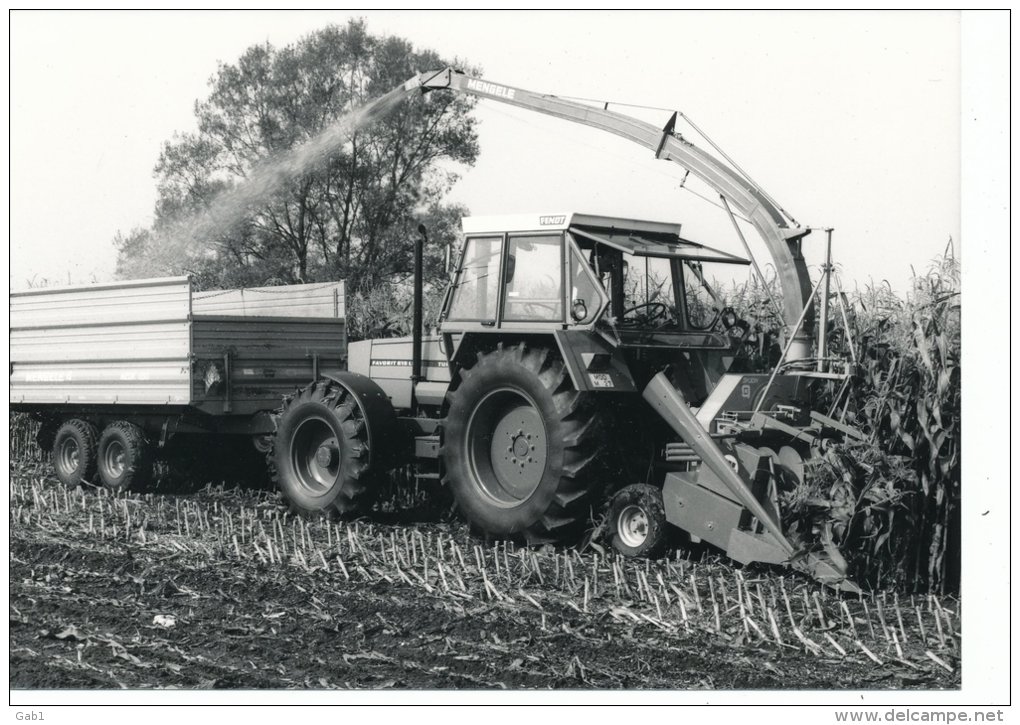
(637, 522)
(521, 446)
(74, 452)
(321, 458)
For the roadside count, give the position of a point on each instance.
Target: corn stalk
(892, 503)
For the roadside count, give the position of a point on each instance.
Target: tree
(281, 182)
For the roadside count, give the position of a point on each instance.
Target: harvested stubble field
(223, 589)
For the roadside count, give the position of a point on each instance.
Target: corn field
(226, 589)
(23, 444)
(222, 588)
(890, 504)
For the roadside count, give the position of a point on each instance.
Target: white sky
(849, 120)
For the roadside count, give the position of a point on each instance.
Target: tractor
(578, 360)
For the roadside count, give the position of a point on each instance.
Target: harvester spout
(778, 230)
(735, 474)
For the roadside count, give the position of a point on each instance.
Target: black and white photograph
(508, 357)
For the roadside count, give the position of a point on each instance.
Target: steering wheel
(736, 328)
(656, 311)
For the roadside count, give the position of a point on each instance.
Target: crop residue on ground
(224, 589)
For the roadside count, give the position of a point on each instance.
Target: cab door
(533, 281)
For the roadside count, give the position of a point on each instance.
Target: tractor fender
(467, 346)
(386, 442)
(592, 363)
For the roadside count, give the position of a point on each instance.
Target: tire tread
(357, 490)
(87, 439)
(579, 421)
(137, 446)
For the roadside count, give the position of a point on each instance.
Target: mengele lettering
(490, 89)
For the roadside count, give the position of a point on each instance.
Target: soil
(172, 591)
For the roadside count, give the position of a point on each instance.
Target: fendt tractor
(579, 361)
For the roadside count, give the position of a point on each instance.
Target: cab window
(701, 296)
(475, 296)
(653, 283)
(534, 279)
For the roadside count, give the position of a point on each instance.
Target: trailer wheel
(321, 459)
(125, 458)
(521, 447)
(74, 452)
(637, 522)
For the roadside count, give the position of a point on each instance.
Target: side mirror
(511, 267)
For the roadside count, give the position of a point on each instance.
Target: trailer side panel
(246, 364)
(120, 344)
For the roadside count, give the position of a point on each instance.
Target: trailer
(114, 371)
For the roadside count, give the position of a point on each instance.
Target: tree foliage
(348, 210)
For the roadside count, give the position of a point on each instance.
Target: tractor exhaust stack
(416, 314)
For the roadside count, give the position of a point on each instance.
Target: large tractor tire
(521, 448)
(124, 457)
(74, 452)
(322, 458)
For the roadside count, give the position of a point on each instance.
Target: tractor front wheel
(521, 447)
(637, 522)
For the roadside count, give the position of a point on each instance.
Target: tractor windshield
(653, 292)
(709, 288)
(650, 292)
(641, 290)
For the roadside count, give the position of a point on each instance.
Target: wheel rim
(115, 459)
(68, 456)
(632, 526)
(316, 457)
(507, 446)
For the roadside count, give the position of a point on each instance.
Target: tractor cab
(649, 292)
(579, 270)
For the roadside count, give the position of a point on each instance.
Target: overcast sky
(849, 120)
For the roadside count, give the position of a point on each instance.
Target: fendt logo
(546, 221)
(490, 88)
